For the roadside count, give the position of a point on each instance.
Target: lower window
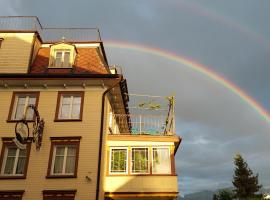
(59, 194)
(14, 160)
(11, 195)
(64, 157)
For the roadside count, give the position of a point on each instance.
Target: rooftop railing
(147, 115)
(133, 124)
(48, 35)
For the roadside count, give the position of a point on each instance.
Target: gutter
(48, 76)
(120, 77)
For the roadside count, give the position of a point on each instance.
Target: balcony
(154, 119)
(48, 35)
(136, 124)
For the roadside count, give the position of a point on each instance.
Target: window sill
(12, 177)
(67, 120)
(61, 176)
(15, 121)
(141, 175)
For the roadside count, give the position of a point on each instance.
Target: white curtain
(161, 161)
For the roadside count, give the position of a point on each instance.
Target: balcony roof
(48, 35)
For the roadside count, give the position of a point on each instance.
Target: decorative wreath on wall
(22, 130)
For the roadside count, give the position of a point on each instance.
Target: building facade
(90, 147)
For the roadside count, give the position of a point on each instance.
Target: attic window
(62, 58)
(62, 55)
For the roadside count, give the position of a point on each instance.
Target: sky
(229, 37)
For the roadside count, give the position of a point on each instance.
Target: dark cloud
(230, 37)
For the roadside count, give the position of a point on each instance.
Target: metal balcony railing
(48, 35)
(134, 124)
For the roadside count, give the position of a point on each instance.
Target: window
(118, 160)
(62, 58)
(139, 160)
(19, 103)
(11, 194)
(69, 106)
(161, 161)
(59, 194)
(64, 157)
(14, 160)
(62, 55)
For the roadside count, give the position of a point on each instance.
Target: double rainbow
(197, 68)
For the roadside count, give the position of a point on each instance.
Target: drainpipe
(120, 78)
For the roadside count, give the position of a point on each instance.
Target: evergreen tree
(223, 195)
(245, 183)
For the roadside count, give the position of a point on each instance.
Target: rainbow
(202, 10)
(197, 68)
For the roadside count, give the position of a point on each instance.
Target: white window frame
(127, 160)
(63, 51)
(15, 162)
(15, 105)
(70, 106)
(149, 161)
(161, 147)
(64, 161)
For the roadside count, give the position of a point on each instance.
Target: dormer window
(62, 58)
(62, 55)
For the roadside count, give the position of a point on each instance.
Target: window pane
(66, 59)
(58, 58)
(70, 164)
(64, 113)
(58, 164)
(58, 54)
(9, 165)
(76, 107)
(11, 151)
(140, 160)
(20, 165)
(118, 160)
(76, 111)
(60, 151)
(71, 151)
(76, 100)
(32, 100)
(161, 160)
(66, 100)
(20, 108)
(22, 153)
(30, 112)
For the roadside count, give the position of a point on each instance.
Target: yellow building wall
(141, 184)
(37, 45)
(15, 52)
(88, 129)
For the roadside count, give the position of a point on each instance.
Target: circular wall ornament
(22, 130)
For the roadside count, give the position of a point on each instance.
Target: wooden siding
(15, 52)
(88, 129)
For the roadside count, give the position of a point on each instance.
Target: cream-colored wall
(15, 52)
(88, 129)
(141, 184)
(37, 45)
